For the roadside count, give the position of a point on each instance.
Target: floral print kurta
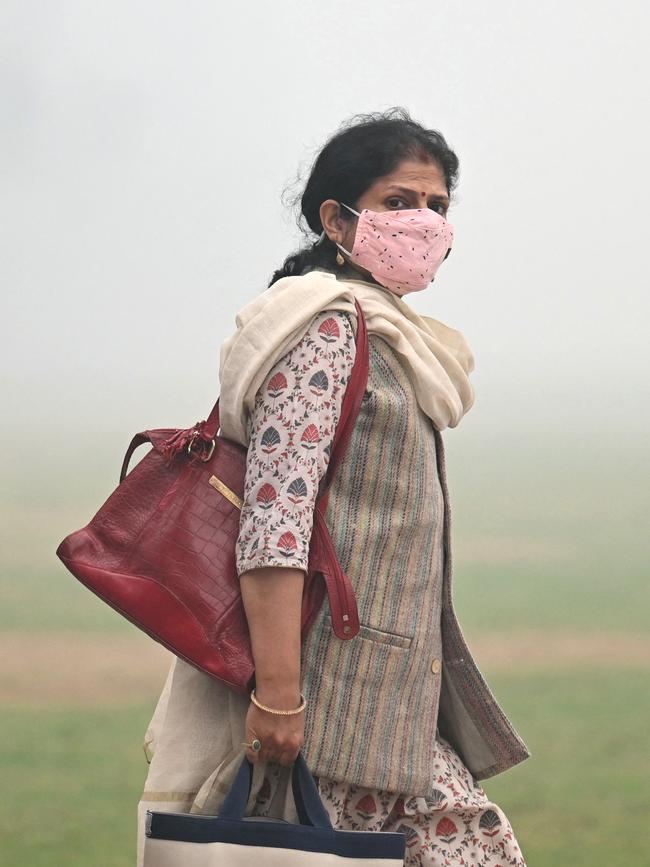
(458, 827)
(290, 432)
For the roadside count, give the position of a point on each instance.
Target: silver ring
(255, 745)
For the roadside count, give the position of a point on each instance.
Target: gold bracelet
(257, 703)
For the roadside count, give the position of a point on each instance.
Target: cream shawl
(436, 357)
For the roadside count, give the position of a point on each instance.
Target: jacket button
(436, 665)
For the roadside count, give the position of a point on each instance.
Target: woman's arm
(272, 598)
(291, 428)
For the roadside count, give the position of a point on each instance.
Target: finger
(286, 758)
(269, 755)
(252, 756)
(269, 750)
(289, 753)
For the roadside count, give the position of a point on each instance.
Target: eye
(439, 208)
(396, 204)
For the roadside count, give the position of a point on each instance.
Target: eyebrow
(407, 190)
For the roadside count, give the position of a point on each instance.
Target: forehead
(426, 177)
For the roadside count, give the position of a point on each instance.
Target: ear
(331, 220)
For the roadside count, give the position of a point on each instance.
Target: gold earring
(339, 259)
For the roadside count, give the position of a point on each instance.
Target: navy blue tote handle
(309, 805)
(314, 833)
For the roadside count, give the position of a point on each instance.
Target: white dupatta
(437, 358)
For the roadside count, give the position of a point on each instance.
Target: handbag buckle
(201, 457)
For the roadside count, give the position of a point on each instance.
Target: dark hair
(364, 148)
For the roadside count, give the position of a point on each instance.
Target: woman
(397, 724)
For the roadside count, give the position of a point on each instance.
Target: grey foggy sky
(145, 147)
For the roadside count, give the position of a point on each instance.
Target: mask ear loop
(350, 209)
(320, 240)
(358, 215)
(322, 237)
(323, 234)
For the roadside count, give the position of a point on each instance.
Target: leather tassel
(179, 441)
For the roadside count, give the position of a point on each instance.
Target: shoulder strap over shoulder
(354, 392)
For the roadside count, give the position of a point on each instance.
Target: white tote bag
(233, 840)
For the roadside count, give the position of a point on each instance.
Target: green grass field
(553, 545)
(72, 778)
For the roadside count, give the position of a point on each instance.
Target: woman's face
(413, 184)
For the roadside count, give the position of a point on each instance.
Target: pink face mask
(401, 249)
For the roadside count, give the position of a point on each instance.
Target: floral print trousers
(458, 826)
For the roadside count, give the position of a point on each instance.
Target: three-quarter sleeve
(291, 428)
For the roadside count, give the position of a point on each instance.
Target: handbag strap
(155, 437)
(342, 600)
(352, 399)
(309, 806)
(343, 605)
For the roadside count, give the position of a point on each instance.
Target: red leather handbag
(161, 550)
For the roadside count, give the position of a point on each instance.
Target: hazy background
(145, 149)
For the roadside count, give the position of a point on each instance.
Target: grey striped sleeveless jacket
(375, 702)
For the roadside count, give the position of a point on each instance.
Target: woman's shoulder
(340, 318)
(298, 290)
(331, 330)
(295, 289)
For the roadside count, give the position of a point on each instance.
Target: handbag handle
(354, 393)
(309, 806)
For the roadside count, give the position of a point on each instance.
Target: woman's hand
(272, 597)
(281, 736)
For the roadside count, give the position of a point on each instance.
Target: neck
(348, 272)
(351, 276)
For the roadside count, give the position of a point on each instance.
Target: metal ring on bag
(204, 457)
